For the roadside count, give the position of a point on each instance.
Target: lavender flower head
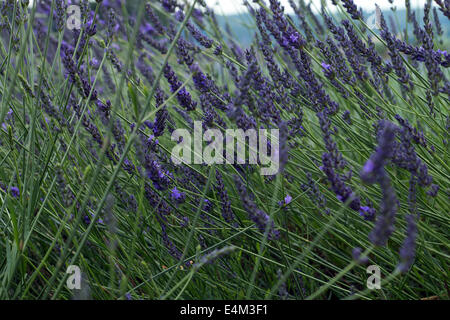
(15, 192)
(61, 8)
(374, 171)
(408, 249)
(286, 201)
(259, 217)
(227, 213)
(352, 9)
(177, 195)
(374, 167)
(356, 254)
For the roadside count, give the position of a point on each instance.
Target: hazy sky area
(235, 6)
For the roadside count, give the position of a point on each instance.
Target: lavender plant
(86, 174)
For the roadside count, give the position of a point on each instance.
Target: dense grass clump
(86, 176)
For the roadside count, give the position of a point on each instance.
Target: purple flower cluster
(60, 8)
(374, 171)
(333, 162)
(396, 60)
(352, 9)
(183, 96)
(259, 217)
(315, 195)
(227, 212)
(407, 251)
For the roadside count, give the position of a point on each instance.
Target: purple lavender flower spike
(227, 213)
(356, 254)
(367, 213)
(259, 217)
(287, 199)
(352, 9)
(374, 167)
(183, 96)
(177, 196)
(60, 8)
(374, 171)
(384, 225)
(15, 192)
(408, 249)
